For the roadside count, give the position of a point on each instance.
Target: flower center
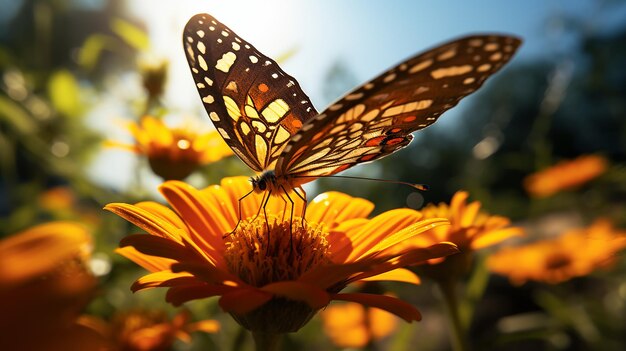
(260, 256)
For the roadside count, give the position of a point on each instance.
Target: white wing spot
(200, 33)
(408, 107)
(208, 81)
(447, 55)
(496, 56)
(354, 96)
(226, 61)
(201, 47)
(236, 46)
(420, 66)
(491, 47)
(335, 107)
(469, 80)
(190, 39)
(224, 33)
(254, 59)
(214, 116)
(451, 71)
(223, 133)
(211, 28)
(274, 75)
(389, 78)
(476, 42)
(484, 67)
(202, 63)
(368, 86)
(232, 85)
(201, 85)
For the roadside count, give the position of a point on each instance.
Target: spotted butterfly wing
(253, 103)
(378, 118)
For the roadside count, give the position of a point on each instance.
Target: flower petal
(162, 212)
(367, 237)
(164, 278)
(299, 291)
(207, 273)
(207, 326)
(202, 217)
(390, 243)
(495, 236)
(390, 304)
(161, 247)
(150, 263)
(398, 275)
(244, 300)
(146, 220)
(334, 207)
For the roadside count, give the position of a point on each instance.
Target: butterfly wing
(253, 103)
(378, 118)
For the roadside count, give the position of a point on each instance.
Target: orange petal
(151, 263)
(327, 275)
(202, 217)
(162, 212)
(207, 273)
(420, 255)
(207, 326)
(389, 244)
(178, 295)
(339, 243)
(238, 187)
(299, 291)
(164, 278)
(161, 247)
(390, 304)
(334, 207)
(469, 214)
(494, 237)
(145, 220)
(378, 228)
(398, 275)
(241, 301)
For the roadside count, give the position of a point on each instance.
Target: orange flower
(576, 253)
(174, 153)
(43, 286)
(355, 326)
(141, 330)
(565, 175)
(272, 281)
(470, 228)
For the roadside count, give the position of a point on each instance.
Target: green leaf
(64, 93)
(92, 48)
(16, 116)
(131, 34)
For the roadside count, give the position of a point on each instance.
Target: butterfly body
(272, 126)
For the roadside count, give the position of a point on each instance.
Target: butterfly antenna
(420, 187)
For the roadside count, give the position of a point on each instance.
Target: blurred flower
(354, 325)
(565, 175)
(57, 199)
(141, 330)
(272, 282)
(576, 253)
(44, 284)
(154, 74)
(174, 153)
(470, 229)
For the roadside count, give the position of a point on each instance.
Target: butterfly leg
(238, 214)
(303, 198)
(263, 206)
(290, 215)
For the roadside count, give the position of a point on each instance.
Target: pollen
(260, 257)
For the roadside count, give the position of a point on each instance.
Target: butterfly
(272, 126)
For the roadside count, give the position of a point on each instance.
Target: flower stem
(459, 338)
(266, 341)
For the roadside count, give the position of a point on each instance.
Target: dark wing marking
(378, 118)
(253, 103)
